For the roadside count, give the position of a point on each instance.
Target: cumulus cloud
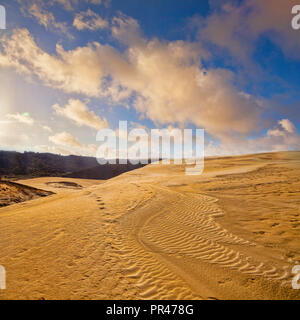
(65, 139)
(46, 128)
(171, 85)
(71, 145)
(72, 4)
(78, 70)
(89, 20)
(22, 118)
(281, 137)
(287, 125)
(165, 80)
(47, 19)
(67, 4)
(126, 29)
(78, 112)
(236, 26)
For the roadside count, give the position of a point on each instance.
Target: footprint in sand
(259, 232)
(274, 224)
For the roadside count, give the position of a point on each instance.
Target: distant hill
(31, 164)
(103, 172)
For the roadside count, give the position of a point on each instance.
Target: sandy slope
(231, 233)
(58, 185)
(11, 192)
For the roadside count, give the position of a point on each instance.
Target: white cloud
(39, 10)
(46, 128)
(73, 145)
(67, 4)
(65, 139)
(72, 4)
(126, 29)
(287, 125)
(278, 138)
(165, 80)
(22, 118)
(79, 70)
(236, 26)
(47, 19)
(78, 112)
(89, 20)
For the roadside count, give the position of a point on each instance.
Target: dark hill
(31, 164)
(103, 172)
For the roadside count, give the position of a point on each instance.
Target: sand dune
(155, 233)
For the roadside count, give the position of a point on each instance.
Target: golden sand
(155, 233)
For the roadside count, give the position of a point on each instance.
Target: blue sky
(69, 68)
